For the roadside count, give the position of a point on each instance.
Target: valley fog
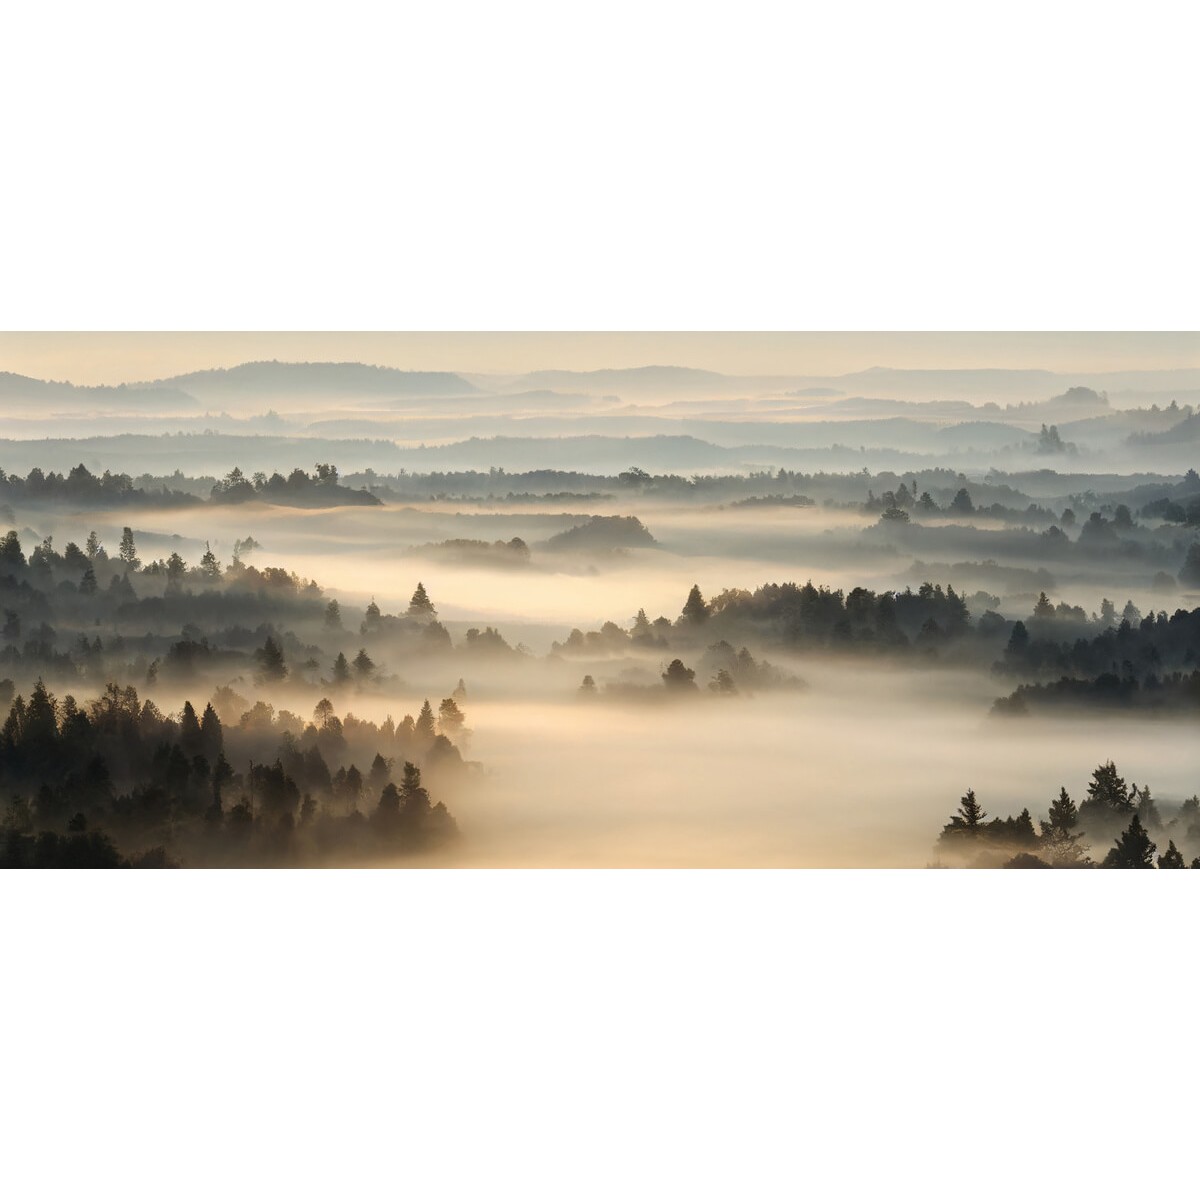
(323, 613)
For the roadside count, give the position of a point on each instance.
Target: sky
(109, 358)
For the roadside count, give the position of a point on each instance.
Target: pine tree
(208, 563)
(970, 813)
(1133, 849)
(450, 717)
(271, 666)
(190, 741)
(371, 620)
(1018, 643)
(128, 551)
(694, 609)
(333, 615)
(414, 799)
(1043, 608)
(379, 774)
(87, 585)
(92, 547)
(1062, 845)
(363, 666)
(341, 671)
(420, 605)
(1171, 860)
(425, 729)
(212, 736)
(1107, 792)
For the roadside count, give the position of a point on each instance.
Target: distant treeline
(81, 487)
(1125, 815)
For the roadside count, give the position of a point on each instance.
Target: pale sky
(96, 358)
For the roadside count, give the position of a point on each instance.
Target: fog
(614, 564)
(860, 771)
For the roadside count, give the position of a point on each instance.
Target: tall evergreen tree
(212, 736)
(271, 665)
(1061, 844)
(190, 741)
(1172, 859)
(1107, 792)
(425, 727)
(1134, 849)
(694, 609)
(970, 813)
(420, 605)
(128, 551)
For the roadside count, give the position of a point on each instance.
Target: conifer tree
(1133, 849)
(694, 609)
(341, 671)
(420, 605)
(1062, 845)
(190, 741)
(1172, 859)
(271, 665)
(425, 729)
(970, 813)
(1107, 792)
(128, 551)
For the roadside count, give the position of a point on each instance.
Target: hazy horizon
(98, 358)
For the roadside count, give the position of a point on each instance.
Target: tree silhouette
(1133, 849)
(1172, 859)
(128, 551)
(420, 605)
(694, 609)
(341, 671)
(678, 677)
(1107, 792)
(425, 726)
(1060, 841)
(970, 813)
(271, 666)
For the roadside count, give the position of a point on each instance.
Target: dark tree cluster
(1113, 812)
(116, 782)
(80, 487)
(298, 488)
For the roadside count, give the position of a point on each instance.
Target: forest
(675, 617)
(1112, 827)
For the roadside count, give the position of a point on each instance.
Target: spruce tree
(970, 813)
(128, 551)
(1107, 792)
(1061, 844)
(420, 605)
(1133, 850)
(271, 666)
(341, 671)
(425, 728)
(1172, 859)
(694, 609)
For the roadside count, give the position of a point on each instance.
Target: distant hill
(17, 388)
(279, 380)
(603, 533)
